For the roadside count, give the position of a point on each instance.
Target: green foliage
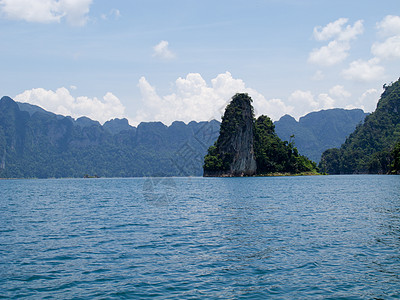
(369, 148)
(275, 156)
(395, 166)
(213, 161)
(271, 153)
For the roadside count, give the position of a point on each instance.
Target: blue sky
(150, 60)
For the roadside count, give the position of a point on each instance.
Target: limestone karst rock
(247, 147)
(235, 143)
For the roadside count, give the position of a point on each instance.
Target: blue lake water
(319, 237)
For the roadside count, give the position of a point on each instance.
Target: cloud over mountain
(62, 102)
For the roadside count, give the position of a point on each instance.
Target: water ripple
(328, 237)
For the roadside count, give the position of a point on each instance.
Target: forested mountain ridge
(371, 148)
(318, 131)
(38, 143)
(35, 143)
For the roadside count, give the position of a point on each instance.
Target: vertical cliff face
(233, 153)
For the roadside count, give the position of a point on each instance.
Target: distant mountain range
(318, 131)
(35, 143)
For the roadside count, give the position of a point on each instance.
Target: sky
(154, 60)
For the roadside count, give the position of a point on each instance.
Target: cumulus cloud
(337, 31)
(304, 97)
(329, 31)
(339, 36)
(388, 49)
(339, 92)
(47, 11)
(304, 102)
(340, 95)
(194, 99)
(335, 52)
(161, 50)
(361, 70)
(62, 102)
(389, 27)
(368, 100)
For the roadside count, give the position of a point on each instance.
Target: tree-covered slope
(318, 131)
(243, 137)
(35, 143)
(274, 155)
(395, 166)
(370, 148)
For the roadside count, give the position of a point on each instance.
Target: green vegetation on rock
(274, 155)
(373, 146)
(271, 154)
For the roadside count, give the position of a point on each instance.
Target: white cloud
(368, 100)
(325, 101)
(389, 26)
(336, 30)
(329, 31)
(390, 48)
(194, 99)
(305, 97)
(47, 11)
(304, 102)
(62, 102)
(335, 52)
(337, 49)
(338, 96)
(361, 70)
(161, 50)
(338, 91)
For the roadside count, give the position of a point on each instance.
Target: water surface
(327, 237)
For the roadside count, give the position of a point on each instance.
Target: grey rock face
(244, 162)
(236, 140)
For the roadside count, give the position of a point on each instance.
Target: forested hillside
(35, 143)
(371, 148)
